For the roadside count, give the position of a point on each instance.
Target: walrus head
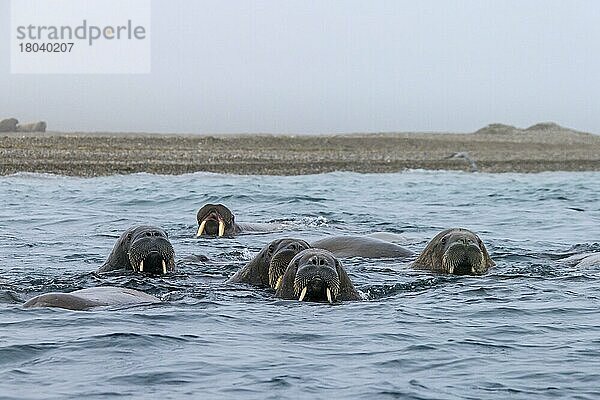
(150, 251)
(456, 251)
(314, 275)
(215, 220)
(279, 254)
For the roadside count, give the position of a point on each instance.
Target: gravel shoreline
(550, 148)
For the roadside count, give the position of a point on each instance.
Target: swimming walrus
(455, 251)
(85, 299)
(218, 220)
(316, 275)
(269, 265)
(361, 246)
(142, 249)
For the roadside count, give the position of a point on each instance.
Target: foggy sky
(332, 67)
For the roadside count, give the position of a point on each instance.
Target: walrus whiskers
(279, 262)
(298, 287)
(315, 275)
(448, 265)
(299, 284)
(450, 261)
(141, 248)
(455, 251)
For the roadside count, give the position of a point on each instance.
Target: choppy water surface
(528, 329)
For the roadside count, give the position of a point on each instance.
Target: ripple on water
(528, 329)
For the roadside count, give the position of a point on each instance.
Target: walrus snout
(154, 255)
(213, 225)
(214, 220)
(463, 257)
(456, 251)
(317, 281)
(316, 275)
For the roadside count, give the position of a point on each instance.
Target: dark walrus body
(270, 263)
(142, 249)
(218, 220)
(361, 246)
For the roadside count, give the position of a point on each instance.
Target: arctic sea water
(528, 329)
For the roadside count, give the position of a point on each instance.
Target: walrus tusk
(142, 266)
(221, 228)
(329, 296)
(164, 267)
(303, 293)
(201, 228)
(278, 284)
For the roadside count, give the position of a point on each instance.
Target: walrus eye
(294, 246)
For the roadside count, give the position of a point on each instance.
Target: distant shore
(495, 148)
